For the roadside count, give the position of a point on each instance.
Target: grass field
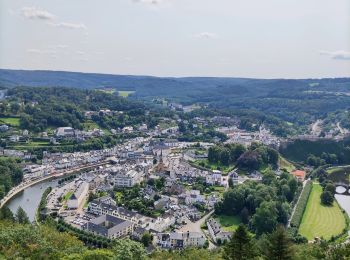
(284, 164)
(125, 93)
(12, 121)
(229, 223)
(319, 220)
(90, 125)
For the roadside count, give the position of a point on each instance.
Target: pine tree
(240, 246)
(6, 213)
(280, 246)
(21, 216)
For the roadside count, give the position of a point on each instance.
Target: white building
(78, 197)
(215, 231)
(65, 132)
(180, 240)
(127, 179)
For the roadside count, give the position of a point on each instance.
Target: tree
(240, 246)
(265, 218)
(146, 239)
(6, 213)
(21, 216)
(279, 245)
(126, 249)
(327, 198)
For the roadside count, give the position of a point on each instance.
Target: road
(196, 227)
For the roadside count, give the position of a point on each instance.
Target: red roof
(299, 173)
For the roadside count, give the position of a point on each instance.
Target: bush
(300, 208)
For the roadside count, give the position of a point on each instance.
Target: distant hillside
(280, 103)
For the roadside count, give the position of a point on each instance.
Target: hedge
(301, 205)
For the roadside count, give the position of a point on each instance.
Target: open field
(90, 125)
(124, 93)
(229, 223)
(284, 164)
(319, 220)
(214, 166)
(12, 121)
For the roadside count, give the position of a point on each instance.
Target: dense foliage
(10, 174)
(261, 205)
(318, 152)
(300, 207)
(235, 154)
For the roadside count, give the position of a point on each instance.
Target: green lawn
(229, 223)
(90, 125)
(12, 121)
(319, 220)
(284, 164)
(125, 93)
(214, 166)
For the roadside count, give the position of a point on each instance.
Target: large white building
(127, 179)
(78, 197)
(180, 240)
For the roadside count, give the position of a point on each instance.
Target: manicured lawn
(125, 93)
(12, 121)
(229, 223)
(319, 220)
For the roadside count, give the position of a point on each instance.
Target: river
(343, 200)
(29, 199)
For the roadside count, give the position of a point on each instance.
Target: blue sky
(236, 38)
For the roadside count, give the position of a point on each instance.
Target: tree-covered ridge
(40, 108)
(10, 174)
(286, 106)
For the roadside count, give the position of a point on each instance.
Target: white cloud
(36, 13)
(205, 35)
(69, 25)
(337, 55)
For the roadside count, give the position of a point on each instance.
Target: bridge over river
(342, 188)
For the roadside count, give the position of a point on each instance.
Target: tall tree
(21, 216)
(6, 213)
(240, 246)
(265, 218)
(280, 246)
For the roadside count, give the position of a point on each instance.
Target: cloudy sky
(236, 38)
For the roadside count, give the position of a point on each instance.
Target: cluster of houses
(80, 135)
(244, 137)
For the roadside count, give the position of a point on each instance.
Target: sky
(231, 38)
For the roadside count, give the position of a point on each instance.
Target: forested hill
(189, 87)
(286, 106)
